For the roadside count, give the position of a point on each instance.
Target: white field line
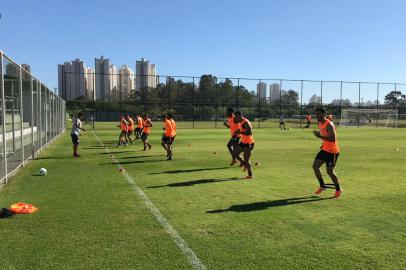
(179, 241)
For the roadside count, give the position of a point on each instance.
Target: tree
(394, 98)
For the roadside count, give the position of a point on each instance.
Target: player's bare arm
(331, 134)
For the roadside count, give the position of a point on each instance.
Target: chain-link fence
(31, 116)
(199, 102)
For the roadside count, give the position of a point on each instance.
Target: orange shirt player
(147, 124)
(167, 136)
(247, 142)
(329, 152)
(232, 144)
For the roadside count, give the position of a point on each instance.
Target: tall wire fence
(199, 102)
(31, 116)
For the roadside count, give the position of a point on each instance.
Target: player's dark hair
(321, 110)
(230, 110)
(169, 115)
(237, 113)
(80, 114)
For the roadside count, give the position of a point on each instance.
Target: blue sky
(322, 40)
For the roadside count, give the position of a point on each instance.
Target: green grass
(90, 217)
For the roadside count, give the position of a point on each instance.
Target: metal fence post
(280, 99)
(301, 103)
(321, 93)
(21, 117)
(377, 105)
(32, 117)
(216, 103)
(3, 116)
(359, 99)
(39, 128)
(193, 102)
(341, 97)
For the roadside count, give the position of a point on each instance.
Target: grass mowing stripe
(179, 241)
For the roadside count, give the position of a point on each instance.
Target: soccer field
(91, 215)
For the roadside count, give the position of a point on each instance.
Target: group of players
(241, 141)
(142, 128)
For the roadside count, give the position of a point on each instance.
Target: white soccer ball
(43, 171)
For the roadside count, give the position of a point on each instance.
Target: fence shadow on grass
(256, 206)
(197, 182)
(191, 170)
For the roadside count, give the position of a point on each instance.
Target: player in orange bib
(170, 118)
(147, 124)
(308, 120)
(329, 152)
(232, 144)
(130, 127)
(123, 134)
(247, 142)
(140, 126)
(167, 136)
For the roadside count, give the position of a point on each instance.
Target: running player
(170, 118)
(75, 133)
(138, 129)
(122, 138)
(147, 124)
(130, 127)
(247, 142)
(167, 136)
(329, 152)
(330, 116)
(232, 144)
(308, 120)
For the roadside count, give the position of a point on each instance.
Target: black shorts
(129, 133)
(246, 145)
(308, 123)
(172, 139)
(144, 136)
(329, 158)
(281, 123)
(138, 130)
(166, 140)
(234, 140)
(75, 138)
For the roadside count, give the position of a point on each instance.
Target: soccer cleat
(338, 194)
(320, 190)
(76, 155)
(249, 177)
(233, 162)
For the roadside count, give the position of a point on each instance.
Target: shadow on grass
(268, 204)
(140, 156)
(197, 182)
(191, 170)
(132, 162)
(40, 158)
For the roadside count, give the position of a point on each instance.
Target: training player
(282, 122)
(147, 124)
(330, 116)
(170, 118)
(247, 142)
(167, 136)
(122, 138)
(232, 144)
(130, 127)
(138, 129)
(308, 120)
(75, 133)
(329, 152)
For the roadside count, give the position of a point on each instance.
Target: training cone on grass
(121, 170)
(257, 163)
(23, 208)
